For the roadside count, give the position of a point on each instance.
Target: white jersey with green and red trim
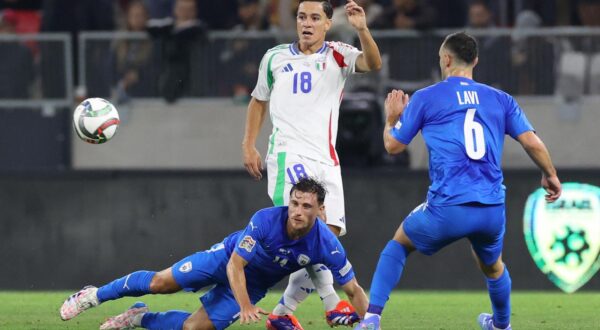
(304, 94)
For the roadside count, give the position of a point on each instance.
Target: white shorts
(284, 169)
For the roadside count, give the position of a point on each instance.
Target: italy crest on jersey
(562, 237)
(321, 63)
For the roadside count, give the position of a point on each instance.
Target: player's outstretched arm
(395, 103)
(370, 59)
(254, 120)
(537, 151)
(237, 281)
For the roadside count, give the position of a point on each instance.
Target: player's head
(313, 20)
(306, 202)
(459, 51)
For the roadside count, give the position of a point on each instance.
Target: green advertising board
(564, 237)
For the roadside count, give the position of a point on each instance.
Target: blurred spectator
(342, 30)
(71, 16)
(131, 60)
(16, 67)
(407, 14)
(451, 14)
(238, 57)
(494, 50)
(218, 14)
(21, 4)
(176, 37)
(589, 12)
(533, 57)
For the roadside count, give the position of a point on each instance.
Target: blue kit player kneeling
(277, 242)
(463, 123)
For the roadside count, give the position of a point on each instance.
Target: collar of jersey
(459, 78)
(296, 51)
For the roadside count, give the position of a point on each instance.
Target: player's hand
(553, 188)
(251, 314)
(253, 162)
(395, 103)
(356, 15)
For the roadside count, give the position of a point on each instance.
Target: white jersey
(304, 94)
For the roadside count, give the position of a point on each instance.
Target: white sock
(323, 281)
(299, 287)
(137, 320)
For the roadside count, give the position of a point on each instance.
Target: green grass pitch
(405, 310)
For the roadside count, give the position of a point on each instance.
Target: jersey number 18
(302, 80)
(474, 139)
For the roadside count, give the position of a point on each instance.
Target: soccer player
(463, 123)
(277, 242)
(301, 84)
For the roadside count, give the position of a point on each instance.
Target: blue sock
(499, 290)
(387, 274)
(169, 320)
(133, 285)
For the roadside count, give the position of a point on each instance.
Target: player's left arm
(370, 59)
(395, 103)
(357, 296)
(237, 282)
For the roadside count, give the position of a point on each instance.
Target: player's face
(302, 212)
(312, 23)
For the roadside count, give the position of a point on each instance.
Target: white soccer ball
(95, 120)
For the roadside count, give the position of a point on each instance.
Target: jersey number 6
(474, 139)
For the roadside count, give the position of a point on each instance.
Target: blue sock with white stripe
(133, 285)
(387, 275)
(499, 290)
(167, 320)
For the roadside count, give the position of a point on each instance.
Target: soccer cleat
(343, 314)
(283, 322)
(124, 321)
(486, 322)
(78, 302)
(371, 323)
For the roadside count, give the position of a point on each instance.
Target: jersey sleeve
(410, 121)
(345, 56)
(516, 120)
(262, 90)
(334, 257)
(252, 235)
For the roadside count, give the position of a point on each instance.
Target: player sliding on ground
(277, 242)
(463, 123)
(301, 84)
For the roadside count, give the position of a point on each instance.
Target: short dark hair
(463, 46)
(327, 8)
(310, 185)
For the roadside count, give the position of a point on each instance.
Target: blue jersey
(463, 124)
(272, 255)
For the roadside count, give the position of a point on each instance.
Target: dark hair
(327, 8)
(480, 3)
(310, 185)
(463, 46)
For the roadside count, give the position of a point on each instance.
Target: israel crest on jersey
(564, 237)
(303, 260)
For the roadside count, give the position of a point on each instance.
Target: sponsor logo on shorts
(303, 260)
(342, 219)
(346, 269)
(247, 243)
(186, 268)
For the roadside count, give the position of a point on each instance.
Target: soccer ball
(95, 120)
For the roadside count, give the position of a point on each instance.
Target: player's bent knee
(164, 282)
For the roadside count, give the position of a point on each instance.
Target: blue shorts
(208, 268)
(431, 228)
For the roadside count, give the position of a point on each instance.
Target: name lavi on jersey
(469, 97)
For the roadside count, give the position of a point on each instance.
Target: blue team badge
(564, 237)
(247, 243)
(303, 260)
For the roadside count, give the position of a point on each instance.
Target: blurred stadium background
(171, 182)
